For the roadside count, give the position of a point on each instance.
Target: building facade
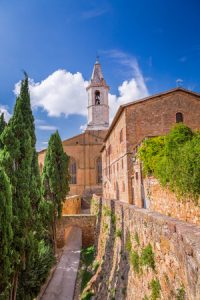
(84, 149)
(152, 116)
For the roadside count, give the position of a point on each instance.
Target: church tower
(98, 109)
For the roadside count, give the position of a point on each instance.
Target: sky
(145, 47)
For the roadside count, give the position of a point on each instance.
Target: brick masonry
(153, 116)
(84, 149)
(176, 249)
(85, 222)
(72, 205)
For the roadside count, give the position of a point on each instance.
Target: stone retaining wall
(164, 201)
(144, 255)
(72, 205)
(85, 222)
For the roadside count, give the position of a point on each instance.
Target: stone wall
(72, 205)
(144, 255)
(85, 222)
(164, 201)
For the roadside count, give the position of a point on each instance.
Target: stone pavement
(62, 284)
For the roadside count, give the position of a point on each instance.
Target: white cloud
(129, 90)
(83, 127)
(4, 110)
(179, 82)
(65, 93)
(47, 127)
(60, 93)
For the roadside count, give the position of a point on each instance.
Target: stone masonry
(164, 201)
(128, 271)
(85, 222)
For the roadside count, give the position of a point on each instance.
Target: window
(99, 170)
(179, 117)
(97, 98)
(72, 171)
(121, 136)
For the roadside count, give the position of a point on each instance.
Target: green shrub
(118, 233)
(136, 238)
(147, 257)
(181, 293)
(88, 255)
(85, 278)
(155, 289)
(135, 261)
(128, 245)
(174, 160)
(87, 295)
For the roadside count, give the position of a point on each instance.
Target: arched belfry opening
(97, 98)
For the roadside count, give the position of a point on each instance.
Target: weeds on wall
(155, 289)
(174, 160)
(181, 295)
(88, 268)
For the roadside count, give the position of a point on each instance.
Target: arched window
(179, 117)
(97, 97)
(99, 170)
(72, 171)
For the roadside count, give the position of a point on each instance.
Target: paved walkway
(62, 284)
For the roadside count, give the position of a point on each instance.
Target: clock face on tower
(97, 98)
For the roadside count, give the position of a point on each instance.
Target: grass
(147, 257)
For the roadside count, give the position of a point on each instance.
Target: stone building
(84, 149)
(135, 121)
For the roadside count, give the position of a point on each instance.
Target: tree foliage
(6, 235)
(2, 126)
(55, 178)
(174, 160)
(19, 159)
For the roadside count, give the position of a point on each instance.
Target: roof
(122, 107)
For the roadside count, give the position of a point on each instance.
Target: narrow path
(62, 284)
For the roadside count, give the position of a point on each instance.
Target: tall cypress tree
(2, 126)
(6, 235)
(17, 158)
(55, 179)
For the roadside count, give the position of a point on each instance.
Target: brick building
(84, 149)
(152, 116)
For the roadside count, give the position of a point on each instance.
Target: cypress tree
(6, 235)
(16, 157)
(2, 126)
(55, 179)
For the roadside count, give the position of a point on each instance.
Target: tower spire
(98, 109)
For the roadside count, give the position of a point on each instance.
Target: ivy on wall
(174, 160)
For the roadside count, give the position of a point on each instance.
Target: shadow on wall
(112, 279)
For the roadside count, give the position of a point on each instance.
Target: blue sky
(144, 47)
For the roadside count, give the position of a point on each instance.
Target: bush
(174, 160)
(155, 289)
(147, 257)
(135, 261)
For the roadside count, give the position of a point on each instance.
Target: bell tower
(98, 109)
